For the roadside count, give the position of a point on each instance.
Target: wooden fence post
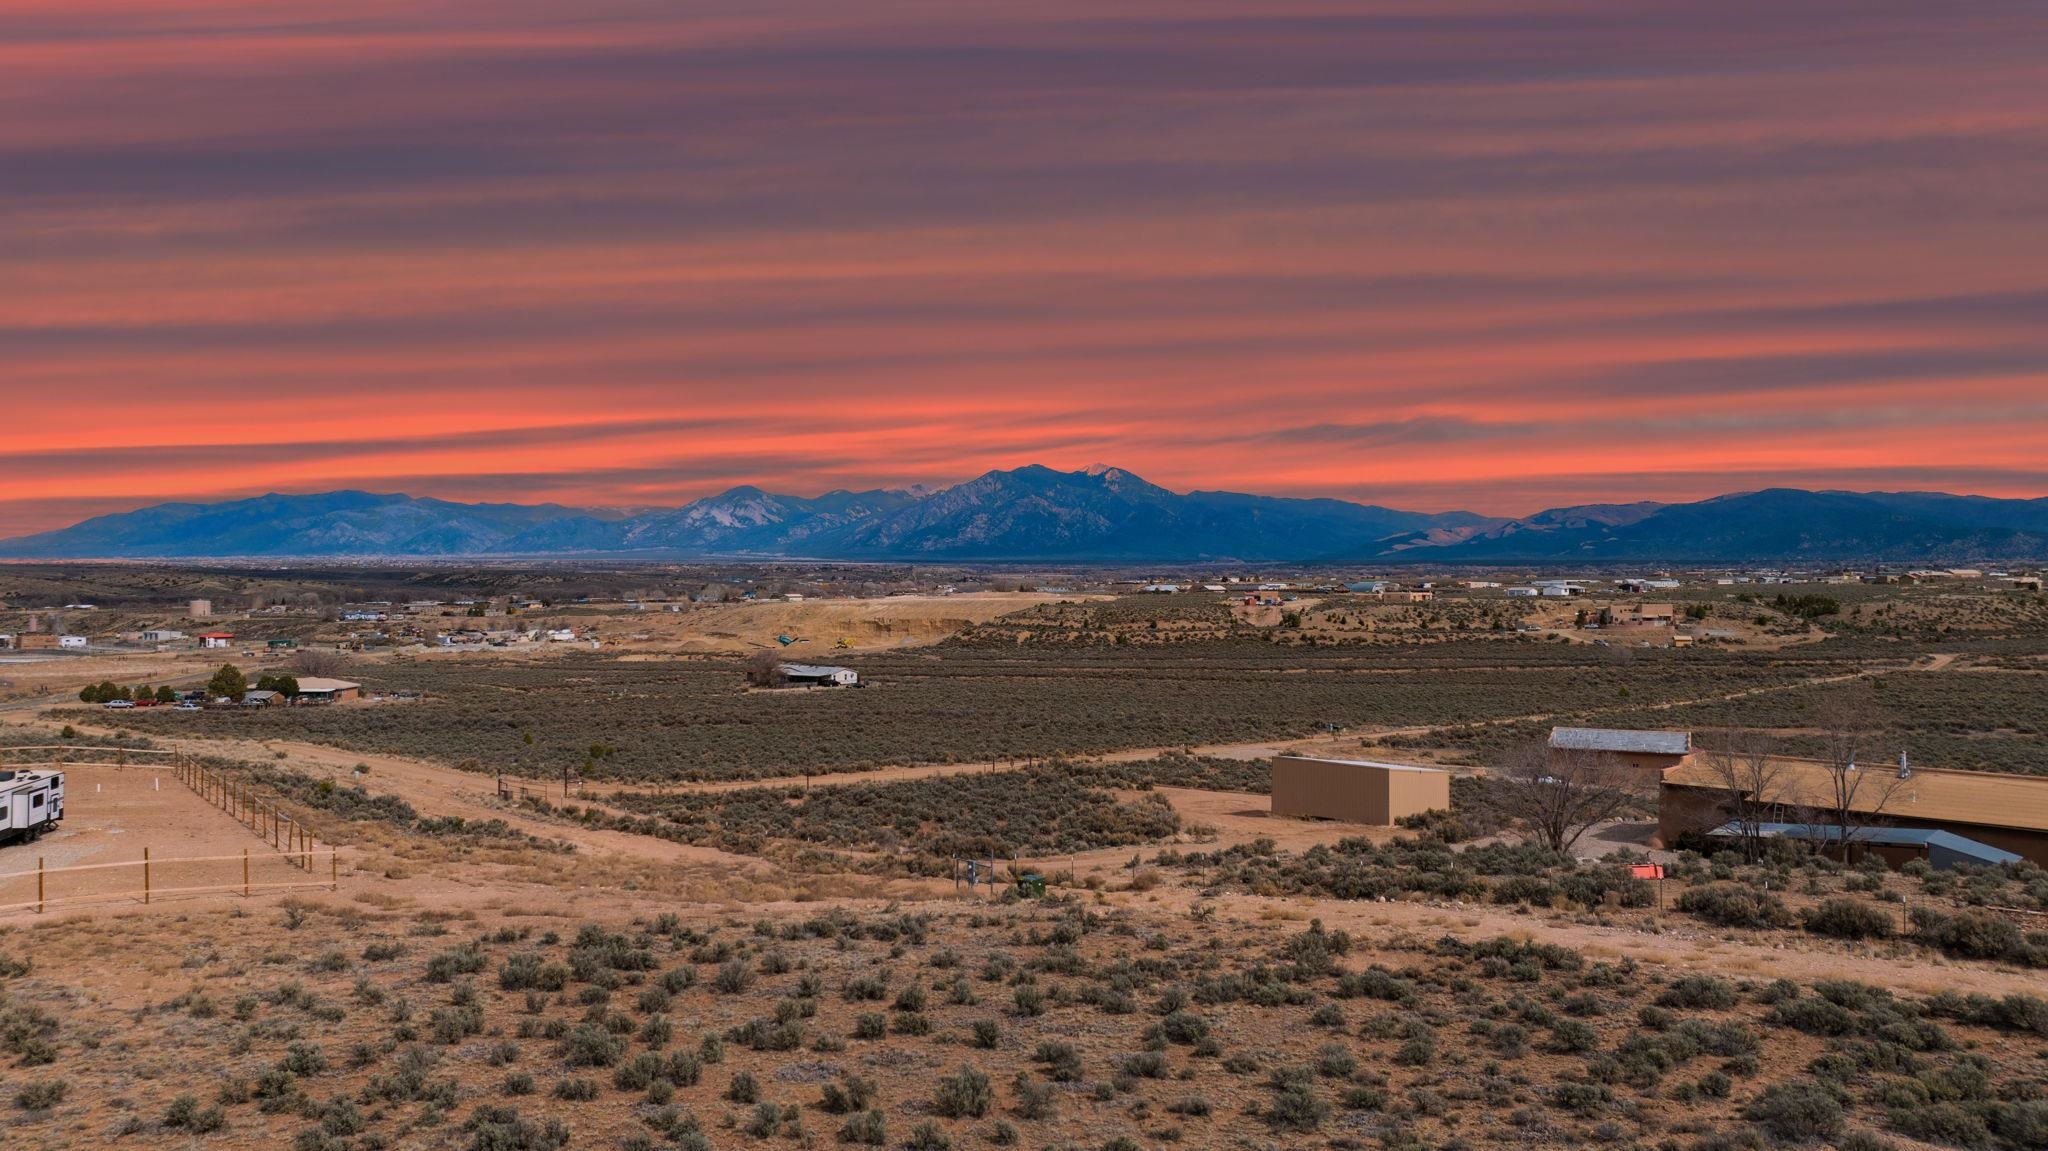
(39, 885)
(333, 870)
(245, 873)
(145, 876)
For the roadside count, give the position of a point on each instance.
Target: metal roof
(1616, 739)
(808, 669)
(1884, 836)
(317, 685)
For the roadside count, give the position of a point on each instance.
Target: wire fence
(295, 859)
(151, 878)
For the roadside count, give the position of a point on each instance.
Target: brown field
(742, 963)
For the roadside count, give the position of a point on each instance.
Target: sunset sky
(1491, 254)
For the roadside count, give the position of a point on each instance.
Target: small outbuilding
(217, 639)
(818, 675)
(1650, 752)
(1357, 790)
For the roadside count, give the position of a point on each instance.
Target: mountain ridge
(1100, 514)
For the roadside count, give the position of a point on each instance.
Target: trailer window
(35, 801)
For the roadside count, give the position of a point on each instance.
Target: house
(1649, 752)
(1523, 592)
(1653, 614)
(316, 689)
(72, 642)
(2024, 583)
(217, 639)
(1262, 599)
(262, 698)
(818, 675)
(1357, 790)
(2007, 812)
(1407, 596)
(161, 635)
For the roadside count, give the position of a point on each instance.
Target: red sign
(1646, 870)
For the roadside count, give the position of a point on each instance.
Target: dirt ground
(111, 815)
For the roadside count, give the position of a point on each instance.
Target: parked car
(188, 705)
(118, 703)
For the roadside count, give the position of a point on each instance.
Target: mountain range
(1100, 514)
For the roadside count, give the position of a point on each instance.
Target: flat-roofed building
(2008, 812)
(1357, 790)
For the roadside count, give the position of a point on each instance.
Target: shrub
(1732, 905)
(1797, 1112)
(495, 1128)
(1034, 1100)
(852, 1096)
(869, 1128)
(185, 1114)
(1698, 992)
(588, 1045)
(743, 1088)
(527, 971)
(1297, 1107)
(41, 1095)
(1977, 935)
(965, 1094)
(733, 977)
(1848, 919)
(928, 1136)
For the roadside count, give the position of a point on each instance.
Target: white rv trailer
(31, 802)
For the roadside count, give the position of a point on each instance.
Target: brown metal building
(1356, 790)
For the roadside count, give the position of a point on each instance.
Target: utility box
(1357, 790)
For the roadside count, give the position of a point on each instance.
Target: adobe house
(2008, 812)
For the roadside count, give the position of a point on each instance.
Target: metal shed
(1356, 790)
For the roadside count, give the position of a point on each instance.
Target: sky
(1485, 254)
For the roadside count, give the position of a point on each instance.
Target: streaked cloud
(1445, 253)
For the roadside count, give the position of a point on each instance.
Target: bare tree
(764, 669)
(1857, 793)
(1753, 780)
(1558, 794)
(318, 664)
